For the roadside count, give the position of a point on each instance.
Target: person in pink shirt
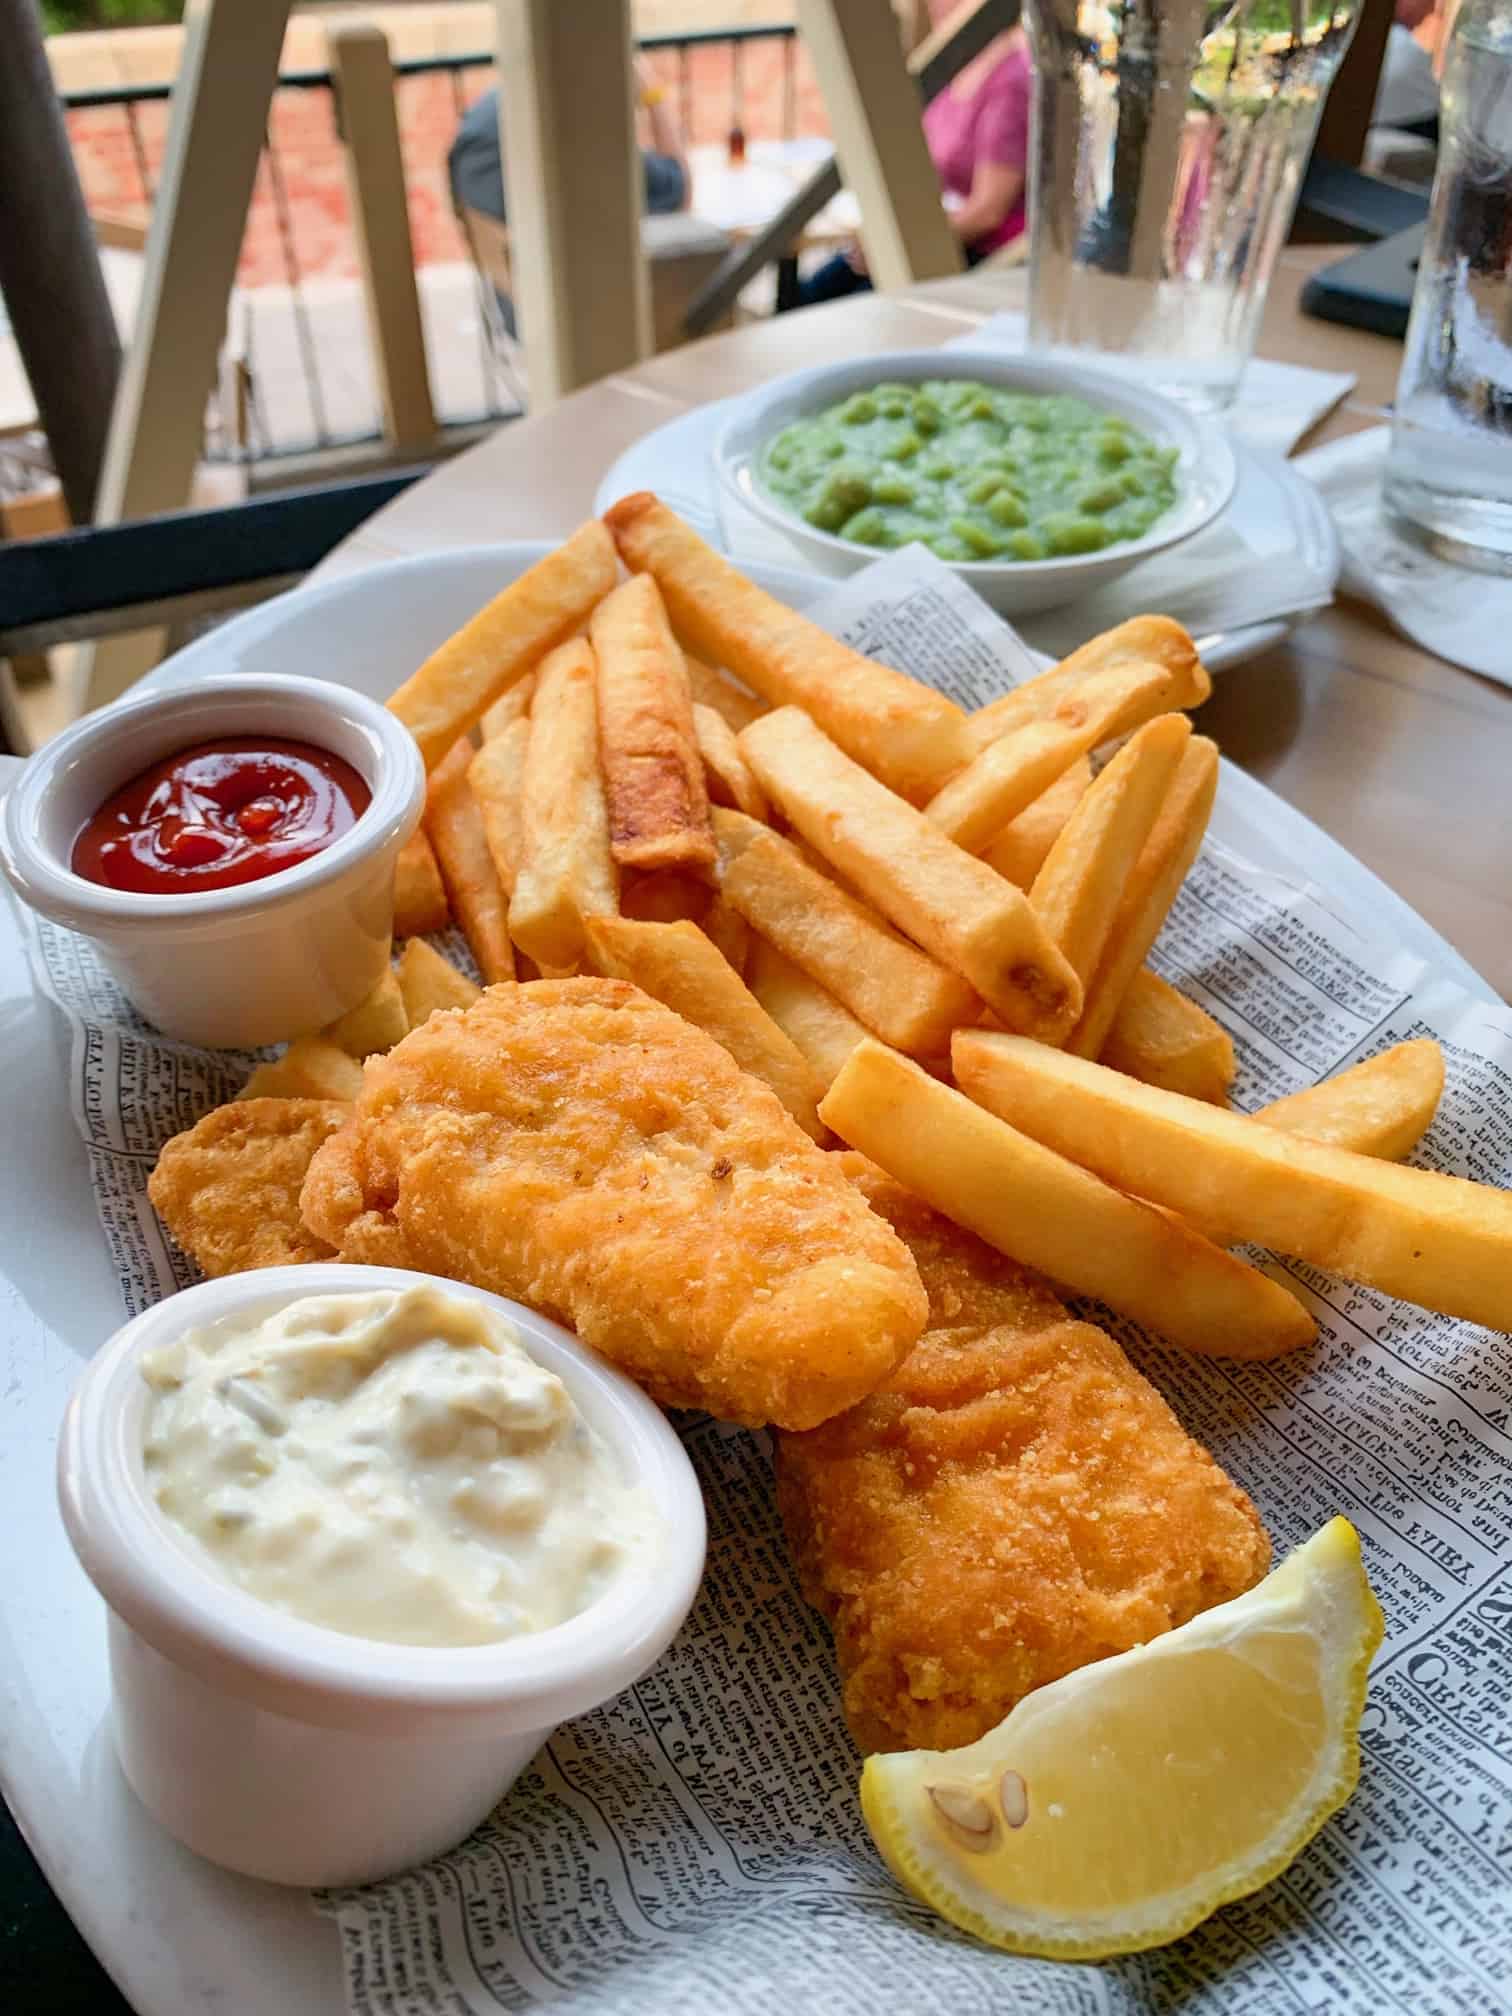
(977, 131)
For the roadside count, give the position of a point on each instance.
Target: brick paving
(313, 175)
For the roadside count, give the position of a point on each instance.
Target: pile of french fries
(925, 931)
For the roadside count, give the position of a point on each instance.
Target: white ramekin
(301, 1755)
(1206, 469)
(241, 967)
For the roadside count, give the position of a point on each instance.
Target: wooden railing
(240, 431)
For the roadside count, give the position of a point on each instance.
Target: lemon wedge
(1118, 1807)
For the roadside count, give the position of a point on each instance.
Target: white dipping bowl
(299, 1754)
(233, 968)
(1206, 471)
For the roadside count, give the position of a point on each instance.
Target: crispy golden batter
(1013, 1503)
(576, 1145)
(228, 1188)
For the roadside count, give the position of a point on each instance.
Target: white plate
(1275, 513)
(180, 1937)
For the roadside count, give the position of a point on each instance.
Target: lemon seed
(1014, 1794)
(965, 1813)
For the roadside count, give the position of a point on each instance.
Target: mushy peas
(976, 472)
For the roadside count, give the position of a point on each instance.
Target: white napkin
(1277, 403)
(1459, 615)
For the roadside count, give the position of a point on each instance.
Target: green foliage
(61, 17)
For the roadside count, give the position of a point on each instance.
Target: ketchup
(220, 813)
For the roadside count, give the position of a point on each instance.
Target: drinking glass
(1169, 141)
(1449, 470)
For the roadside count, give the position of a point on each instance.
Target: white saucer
(1275, 514)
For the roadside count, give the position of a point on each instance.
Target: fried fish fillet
(575, 1145)
(1013, 1503)
(228, 1188)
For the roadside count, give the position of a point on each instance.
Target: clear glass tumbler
(1170, 137)
(1449, 472)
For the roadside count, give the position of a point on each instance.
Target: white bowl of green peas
(1036, 481)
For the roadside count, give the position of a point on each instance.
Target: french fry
(1142, 640)
(909, 735)
(1018, 853)
(1163, 1038)
(566, 873)
(663, 899)
(1149, 891)
(952, 904)
(735, 704)
(653, 771)
(825, 1032)
(511, 706)
(728, 932)
(377, 1022)
(454, 821)
(419, 893)
(313, 1067)
(891, 986)
(497, 777)
(1436, 1240)
(1045, 1212)
(1012, 772)
(1382, 1107)
(428, 982)
(677, 965)
(1076, 893)
(499, 645)
(726, 772)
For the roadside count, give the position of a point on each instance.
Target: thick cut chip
(228, 1189)
(1149, 891)
(1042, 1209)
(906, 733)
(566, 871)
(1019, 851)
(511, 706)
(725, 929)
(953, 905)
(824, 1031)
(454, 820)
(376, 1023)
(1011, 772)
(576, 1145)
(1012, 1504)
(729, 777)
(499, 645)
(679, 966)
(1164, 1038)
(1077, 892)
(313, 1067)
(1055, 695)
(736, 705)
(419, 894)
(653, 771)
(909, 999)
(1433, 1239)
(428, 982)
(497, 777)
(1381, 1107)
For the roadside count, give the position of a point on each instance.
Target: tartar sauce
(392, 1464)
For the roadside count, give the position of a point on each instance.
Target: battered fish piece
(1013, 1503)
(575, 1145)
(228, 1188)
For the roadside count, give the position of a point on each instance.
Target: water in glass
(1449, 474)
(1170, 138)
